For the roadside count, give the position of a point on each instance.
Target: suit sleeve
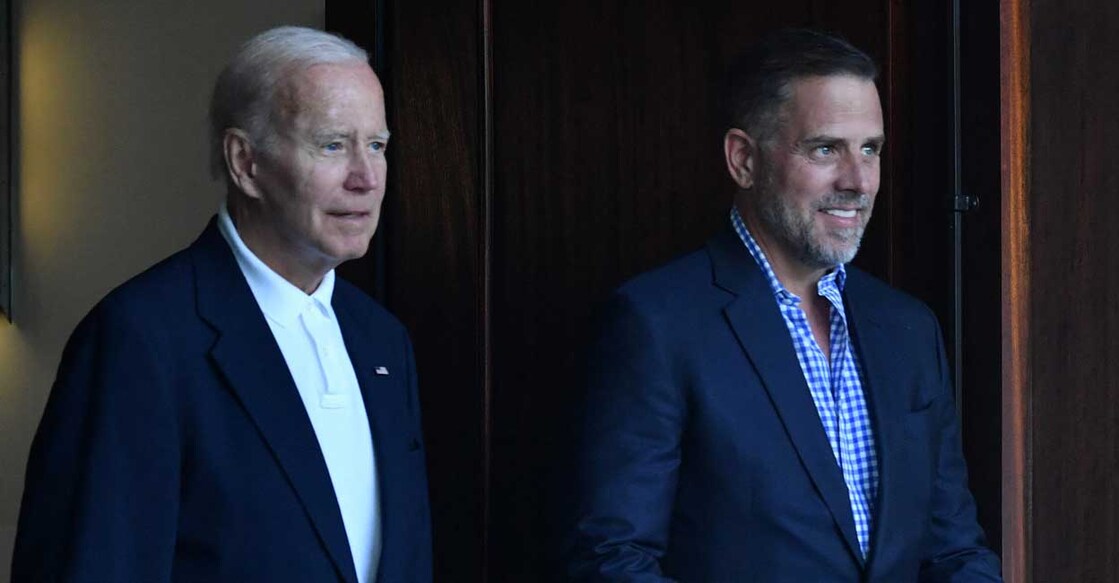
(629, 453)
(956, 550)
(100, 501)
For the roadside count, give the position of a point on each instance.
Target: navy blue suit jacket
(175, 446)
(703, 457)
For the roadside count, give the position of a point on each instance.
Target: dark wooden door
(1061, 282)
(542, 153)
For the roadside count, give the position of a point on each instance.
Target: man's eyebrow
(821, 139)
(342, 134)
(330, 135)
(825, 140)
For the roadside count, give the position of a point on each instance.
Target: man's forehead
(839, 102)
(311, 82)
(319, 88)
(845, 92)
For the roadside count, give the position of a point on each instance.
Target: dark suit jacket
(175, 446)
(704, 459)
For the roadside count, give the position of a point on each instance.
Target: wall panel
(544, 152)
(608, 162)
(1074, 332)
(431, 246)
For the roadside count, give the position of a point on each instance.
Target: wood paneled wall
(542, 153)
(1061, 250)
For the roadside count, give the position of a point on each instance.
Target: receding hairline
(293, 89)
(245, 91)
(756, 85)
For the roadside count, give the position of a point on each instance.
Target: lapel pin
(381, 370)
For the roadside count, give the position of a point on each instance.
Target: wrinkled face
(817, 178)
(322, 179)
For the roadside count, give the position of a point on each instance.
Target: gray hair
(245, 89)
(757, 84)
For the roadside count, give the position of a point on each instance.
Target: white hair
(245, 89)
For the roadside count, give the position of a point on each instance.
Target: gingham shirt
(837, 389)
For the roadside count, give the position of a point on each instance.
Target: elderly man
(758, 410)
(236, 413)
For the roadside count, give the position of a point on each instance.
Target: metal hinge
(962, 203)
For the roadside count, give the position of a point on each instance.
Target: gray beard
(795, 232)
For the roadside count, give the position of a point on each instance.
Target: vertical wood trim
(1016, 414)
(486, 324)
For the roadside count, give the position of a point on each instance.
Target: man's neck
(799, 279)
(258, 241)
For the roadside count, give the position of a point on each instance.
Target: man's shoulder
(161, 288)
(165, 294)
(152, 311)
(886, 300)
(678, 282)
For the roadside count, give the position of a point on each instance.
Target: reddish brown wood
(1073, 283)
(607, 162)
(435, 257)
(544, 152)
(1016, 540)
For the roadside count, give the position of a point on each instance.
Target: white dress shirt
(306, 329)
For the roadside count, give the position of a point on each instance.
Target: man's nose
(363, 173)
(859, 173)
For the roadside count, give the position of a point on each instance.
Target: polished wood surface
(1073, 313)
(608, 162)
(436, 257)
(434, 252)
(544, 152)
(1016, 519)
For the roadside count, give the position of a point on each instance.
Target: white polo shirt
(306, 329)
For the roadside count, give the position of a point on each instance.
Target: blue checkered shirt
(837, 388)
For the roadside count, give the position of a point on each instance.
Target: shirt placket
(816, 371)
(316, 323)
(849, 400)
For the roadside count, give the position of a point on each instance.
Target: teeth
(841, 213)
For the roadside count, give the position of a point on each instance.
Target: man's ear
(240, 161)
(741, 152)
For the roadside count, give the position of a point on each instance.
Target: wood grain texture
(1016, 531)
(608, 162)
(1073, 284)
(545, 152)
(435, 257)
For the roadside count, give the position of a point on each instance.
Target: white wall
(112, 174)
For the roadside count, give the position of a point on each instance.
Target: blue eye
(333, 147)
(378, 146)
(825, 150)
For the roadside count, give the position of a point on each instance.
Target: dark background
(544, 152)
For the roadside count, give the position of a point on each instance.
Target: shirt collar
(836, 277)
(278, 298)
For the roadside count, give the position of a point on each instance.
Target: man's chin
(349, 252)
(827, 258)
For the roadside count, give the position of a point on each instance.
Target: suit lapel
(877, 349)
(369, 351)
(760, 329)
(247, 355)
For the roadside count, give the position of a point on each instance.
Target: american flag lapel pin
(381, 371)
